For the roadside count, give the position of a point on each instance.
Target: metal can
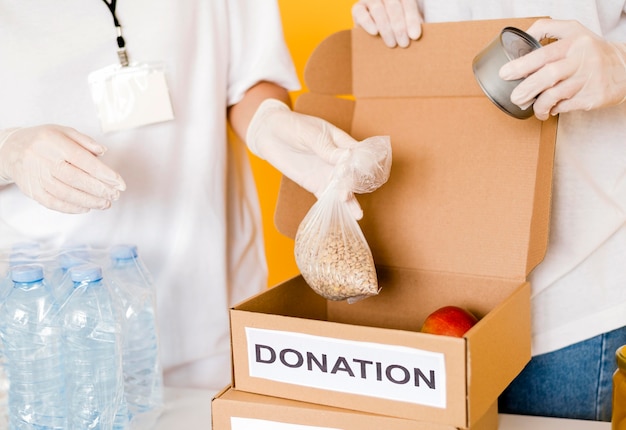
(511, 43)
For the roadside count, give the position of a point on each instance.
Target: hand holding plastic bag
(58, 167)
(578, 71)
(330, 249)
(302, 147)
(397, 21)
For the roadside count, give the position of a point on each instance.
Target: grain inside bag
(330, 248)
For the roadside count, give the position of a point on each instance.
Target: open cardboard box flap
(462, 220)
(469, 190)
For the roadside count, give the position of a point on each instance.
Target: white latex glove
(397, 21)
(578, 71)
(59, 168)
(304, 148)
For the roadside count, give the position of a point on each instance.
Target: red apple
(449, 321)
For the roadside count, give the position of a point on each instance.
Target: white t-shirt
(191, 203)
(579, 290)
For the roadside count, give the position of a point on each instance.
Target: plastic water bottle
(32, 339)
(20, 253)
(92, 344)
(142, 371)
(6, 285)
(59, 279)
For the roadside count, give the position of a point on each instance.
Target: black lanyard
(121, 44)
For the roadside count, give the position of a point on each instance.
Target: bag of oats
(331, 251)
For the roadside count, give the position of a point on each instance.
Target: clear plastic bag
(330, 249)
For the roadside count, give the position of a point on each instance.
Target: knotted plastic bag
(331, 251)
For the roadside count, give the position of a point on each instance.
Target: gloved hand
(58, 167)
(578, 71)
(302, 147)
(396, 21)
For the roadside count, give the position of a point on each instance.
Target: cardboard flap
(439, 64)
(329, 69)
(469, 190)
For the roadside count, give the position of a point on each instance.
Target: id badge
(131, 96)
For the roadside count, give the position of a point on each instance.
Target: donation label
(371, 369)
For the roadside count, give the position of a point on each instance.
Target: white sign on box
(371, 369)
(254, 424)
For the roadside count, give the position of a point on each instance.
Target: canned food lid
(510, 44)
(620, 356)
(517, 43)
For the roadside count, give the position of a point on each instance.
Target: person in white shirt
(579, 290)
(74, 168)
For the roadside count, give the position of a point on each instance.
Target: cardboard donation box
(240, 410)
(462, 221)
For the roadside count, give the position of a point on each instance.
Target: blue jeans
(573, 382)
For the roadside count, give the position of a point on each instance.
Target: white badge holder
(130, 96)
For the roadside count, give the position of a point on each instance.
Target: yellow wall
(306, 23)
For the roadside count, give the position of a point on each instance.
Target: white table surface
(190, 409)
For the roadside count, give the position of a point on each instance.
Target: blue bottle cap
(123, 252)
(27, 273)
(86, 273)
